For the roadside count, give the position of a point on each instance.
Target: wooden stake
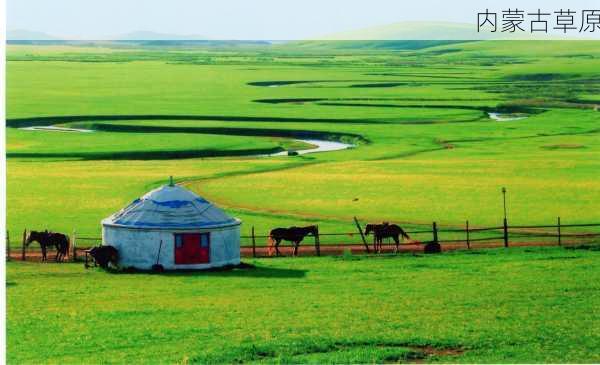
(318, 243)
(7, 246)
(362, 235)
(505, 232)
(23, 245)
(253, 243)
(468, 240)
(435, 233)
(73, 247)
(559, 237)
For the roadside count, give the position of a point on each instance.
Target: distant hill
(444, 31)
(144, 35)
(140, 35)
(365, 45)
(409, 36)
(23, 34)
(409, 31)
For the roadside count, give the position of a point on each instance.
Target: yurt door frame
(192, 248)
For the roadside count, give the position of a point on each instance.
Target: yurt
(175, 228)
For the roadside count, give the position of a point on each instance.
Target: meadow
(492, 306)
(425, 149)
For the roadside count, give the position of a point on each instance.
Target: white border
(3, 178)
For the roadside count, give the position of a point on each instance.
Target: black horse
(48, 239)
(104, 255)
(292, 234)
(385, 230)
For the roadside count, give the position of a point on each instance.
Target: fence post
(362, 235)
(505, 232)
(435, 233)
(253, 243)
(74, 247)
(23, 245)
(559, 238)
(7, 246)
(318, 243)
(468, 240)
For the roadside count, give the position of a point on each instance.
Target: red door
(192, 248)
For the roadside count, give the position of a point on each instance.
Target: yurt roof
(171, 207)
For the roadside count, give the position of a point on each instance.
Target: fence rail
(328, 242)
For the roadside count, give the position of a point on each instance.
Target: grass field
(517, 305)
(426, 149)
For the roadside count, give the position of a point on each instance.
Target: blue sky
(247, 19)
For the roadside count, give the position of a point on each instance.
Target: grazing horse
(385, 230)
(48, 239)
(104, 255)
(293, 234)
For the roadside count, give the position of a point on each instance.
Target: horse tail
(402, 232)
(405, 235)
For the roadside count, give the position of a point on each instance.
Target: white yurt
(175, 228)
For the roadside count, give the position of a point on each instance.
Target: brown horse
(385, 230)
(48, 239)
(293, 234)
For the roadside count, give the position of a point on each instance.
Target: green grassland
(426, 149)
(517, 305)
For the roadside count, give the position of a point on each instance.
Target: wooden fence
(466, 237)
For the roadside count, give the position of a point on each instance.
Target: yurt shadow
(241, 271)
(257, 272)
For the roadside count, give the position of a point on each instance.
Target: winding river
(321, 145)
(51, 128)
(501, 117)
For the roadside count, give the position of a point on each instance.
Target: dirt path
(309, 250)
(358, 249)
